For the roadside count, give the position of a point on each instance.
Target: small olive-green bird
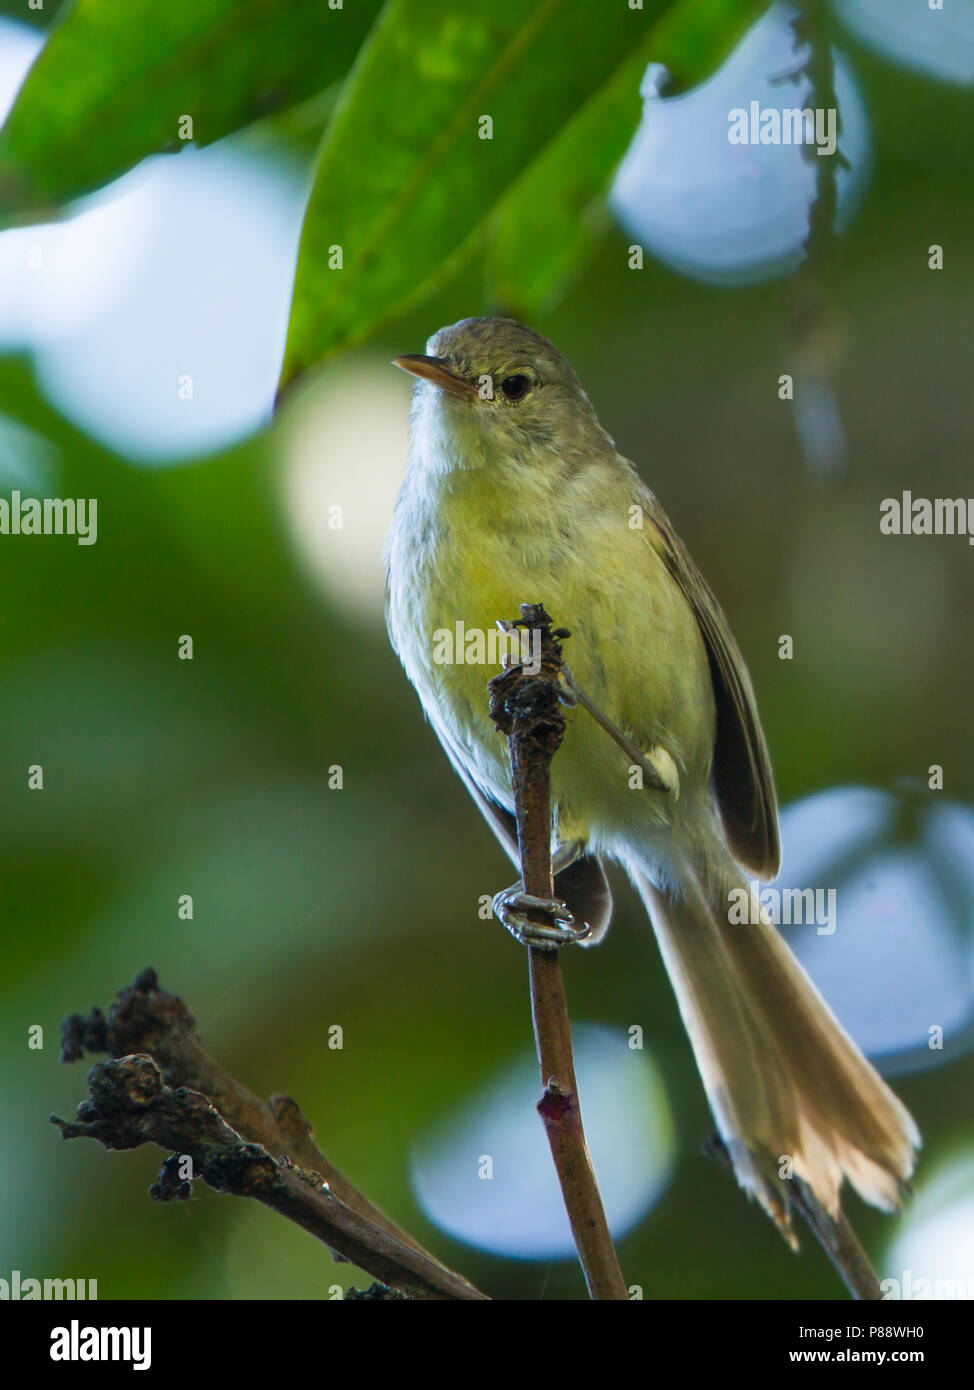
(514, 493)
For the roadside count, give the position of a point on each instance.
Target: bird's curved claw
(511, 907)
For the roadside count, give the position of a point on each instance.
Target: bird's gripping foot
(511, 908)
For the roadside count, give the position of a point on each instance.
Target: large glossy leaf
(117, 76)
(546, 224)
(405, 174)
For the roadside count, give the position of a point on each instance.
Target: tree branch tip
(170, 1186)
(158, 1085)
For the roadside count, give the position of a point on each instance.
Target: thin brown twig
(841, 1245)
(527, 709)
(835, 1235)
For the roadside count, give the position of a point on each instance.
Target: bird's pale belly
(635, 650)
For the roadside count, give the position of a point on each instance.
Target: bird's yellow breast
(635, 647)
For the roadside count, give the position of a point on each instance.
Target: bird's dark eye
(514, 387)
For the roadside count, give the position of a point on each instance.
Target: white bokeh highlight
(344, 443)
(936, 43)
(901, 960)
(933, 1253)
(180, 269)
(519, 1212)
(733, 214)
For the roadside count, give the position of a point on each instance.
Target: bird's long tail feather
(790, 1091)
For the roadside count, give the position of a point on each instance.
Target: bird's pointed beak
(435, 369)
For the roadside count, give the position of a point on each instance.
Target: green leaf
(117, 77)
(404, 176)
(550, 220)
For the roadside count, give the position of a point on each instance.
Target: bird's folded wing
(742, 776)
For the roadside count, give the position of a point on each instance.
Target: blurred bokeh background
(317, 905)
